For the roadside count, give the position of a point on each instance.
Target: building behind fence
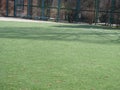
(90, 11)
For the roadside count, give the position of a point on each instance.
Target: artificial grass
(53, 56)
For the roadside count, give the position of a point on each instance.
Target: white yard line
(36, 21)
(22, 20)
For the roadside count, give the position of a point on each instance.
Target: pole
(112, 12)
(58, 10)
(15, 8)
(43, 9)
(96, 11)
(7, 7)
(29, 9)
(77, 10)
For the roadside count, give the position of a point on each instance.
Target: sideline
(37, 21)
(23, 20)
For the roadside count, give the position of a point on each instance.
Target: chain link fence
(106, 12)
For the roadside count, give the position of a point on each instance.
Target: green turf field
(54, 56)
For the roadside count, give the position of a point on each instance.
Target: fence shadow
(58, 35)
(90, 26)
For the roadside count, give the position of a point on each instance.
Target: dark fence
(88, 11)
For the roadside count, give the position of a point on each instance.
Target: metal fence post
(15, 8)
(112, 12)
(77, 10)
(96, 10)
(58, 10)
(7, 7)
(43, 9)
(29, 9)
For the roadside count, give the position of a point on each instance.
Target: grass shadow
(89, 26)
(60, 35)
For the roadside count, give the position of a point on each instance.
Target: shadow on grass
(59, 35)
(89, 26)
